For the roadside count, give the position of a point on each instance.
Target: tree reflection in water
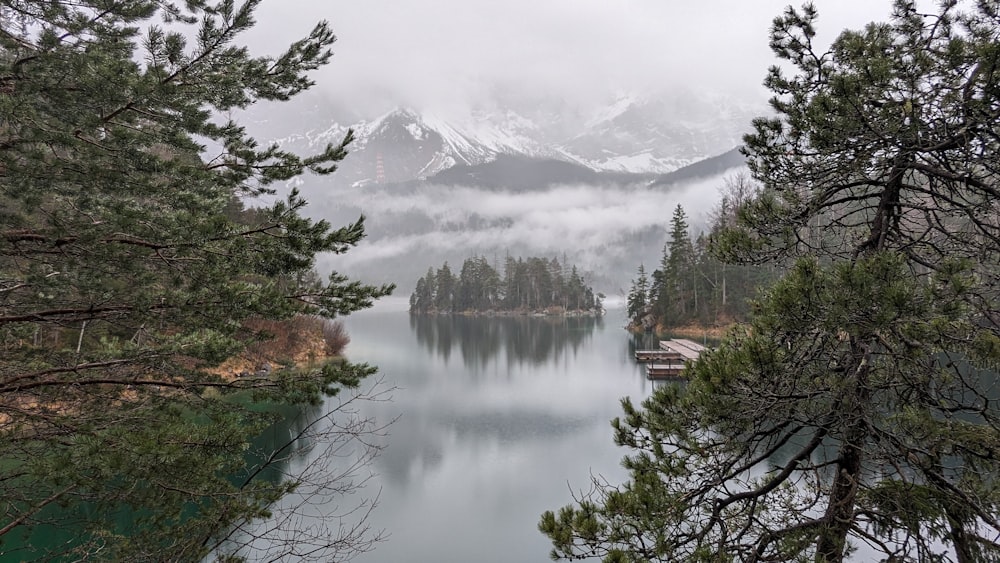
(481, 340)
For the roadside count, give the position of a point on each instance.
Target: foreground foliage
(857, 411)
(128, 267)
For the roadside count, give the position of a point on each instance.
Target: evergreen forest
(853, 415)
(691, 286)
(154, 324)
(527, 285)
(131, 270)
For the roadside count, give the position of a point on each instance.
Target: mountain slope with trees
(691, 286)
(856, 412)
(128, 269)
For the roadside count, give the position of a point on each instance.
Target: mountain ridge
(632, 135)
(519, 172)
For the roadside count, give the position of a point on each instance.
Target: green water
(62, 528)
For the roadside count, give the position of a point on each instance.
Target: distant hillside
(712, 166)
(518, 173)
(522, 173)
(605, 222)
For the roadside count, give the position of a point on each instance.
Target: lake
(498, 418)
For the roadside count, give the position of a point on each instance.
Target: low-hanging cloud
(607, 230)
(448, 57)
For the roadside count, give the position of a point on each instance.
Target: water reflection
(497, 416)
(491, 382)
(329, 450)
(521, 338)
(65, 528)
(287, 433)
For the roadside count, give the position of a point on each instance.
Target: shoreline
(691, 331)
(515, 313)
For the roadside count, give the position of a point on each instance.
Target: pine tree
(576, 292)
(418, 301)
(478, 286)
(128, 269)
(444, 296)
(857, 409)
(674, 294)
(511, 288)
(638, 294)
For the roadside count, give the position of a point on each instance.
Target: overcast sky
(440, 54)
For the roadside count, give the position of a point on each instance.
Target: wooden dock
(689, 349)
(664, 371)
(670, 359)
(643, 356)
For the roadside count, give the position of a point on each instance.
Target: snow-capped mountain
(660, 134)
(403, 145)
(631, 134)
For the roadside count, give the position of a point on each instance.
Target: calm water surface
(498, 419)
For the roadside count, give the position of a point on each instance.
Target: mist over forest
(606, 229)
(184, 377)
(662, 87)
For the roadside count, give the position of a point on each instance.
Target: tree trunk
(839, 514)
(723, 287)
(840, 510)
(79, 340)
(959, 517)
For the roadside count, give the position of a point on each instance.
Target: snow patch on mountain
(621, 104)
(460, 147)
(631, 134)
(642, 162)
(416, 131)
(437, 164)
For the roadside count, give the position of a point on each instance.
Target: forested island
(532, 285)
